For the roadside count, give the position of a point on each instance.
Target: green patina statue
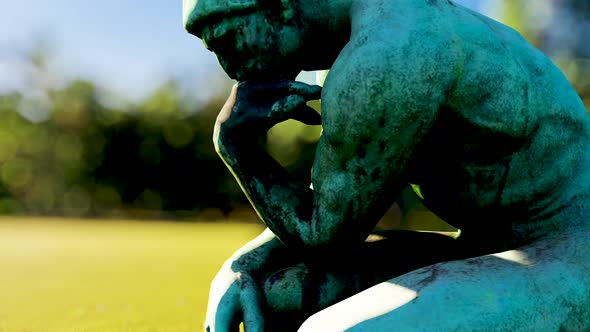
(421, 92)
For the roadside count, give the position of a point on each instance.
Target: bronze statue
(421, 92)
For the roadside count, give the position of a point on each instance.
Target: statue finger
(251, 310)
(309, 92)
(284, 108)
(278, 88)
(227, 108)
(307, 115)
(226, 315)
(264, 89)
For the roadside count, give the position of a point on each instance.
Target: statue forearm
(284, 205)
(308, 221)
(262, 255)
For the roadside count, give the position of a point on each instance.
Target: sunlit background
(107, 109)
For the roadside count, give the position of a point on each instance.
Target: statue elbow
(323, 249)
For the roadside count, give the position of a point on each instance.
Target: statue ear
(287, 13)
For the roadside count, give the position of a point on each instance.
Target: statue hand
(254, 107)
(234, 297)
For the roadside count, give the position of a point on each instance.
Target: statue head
(253, 39)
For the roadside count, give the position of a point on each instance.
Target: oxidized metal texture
(421, 92)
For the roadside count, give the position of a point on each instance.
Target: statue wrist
(234, 143)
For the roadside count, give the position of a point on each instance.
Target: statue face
(251, 40)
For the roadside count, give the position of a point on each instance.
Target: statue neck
(328, 30)
(332, 15)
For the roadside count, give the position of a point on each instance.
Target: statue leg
(293, 294)
(543, 286)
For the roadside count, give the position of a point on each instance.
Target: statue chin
(254, 71)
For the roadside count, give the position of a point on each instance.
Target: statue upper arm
(377, 107)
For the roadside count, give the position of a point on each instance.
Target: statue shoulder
(381, 62)
(378, 87)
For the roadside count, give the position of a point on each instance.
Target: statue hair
(279, 6)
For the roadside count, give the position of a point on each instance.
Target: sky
(128, 46)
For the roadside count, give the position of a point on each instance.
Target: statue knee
(283, 290)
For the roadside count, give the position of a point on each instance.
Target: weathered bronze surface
(421, 92)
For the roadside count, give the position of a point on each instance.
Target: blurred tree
(66, 150)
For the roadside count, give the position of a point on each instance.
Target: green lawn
(71, 275)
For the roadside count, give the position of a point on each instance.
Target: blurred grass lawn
(71, 275)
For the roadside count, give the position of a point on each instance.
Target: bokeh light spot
(178, 134)
(8, 146)
(150, 200)
(17, 173)
(107, 196)
(76, 202)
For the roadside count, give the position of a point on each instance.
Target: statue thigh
(293, 294)
(544, 286)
